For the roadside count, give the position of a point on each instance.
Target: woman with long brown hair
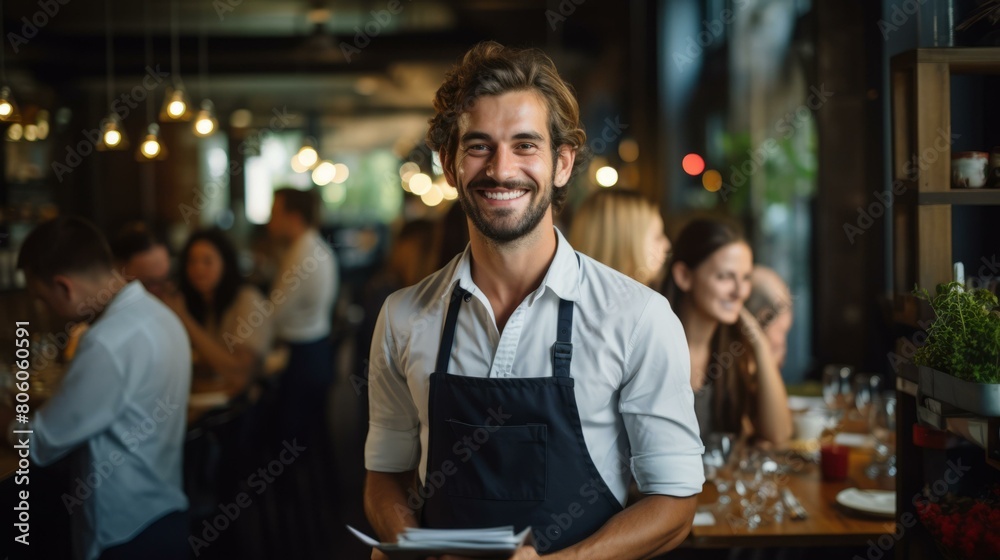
(738, 386)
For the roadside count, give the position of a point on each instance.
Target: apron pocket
(498, 462)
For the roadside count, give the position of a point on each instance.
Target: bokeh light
(693, 164)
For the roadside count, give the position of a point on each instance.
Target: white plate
(873, 502)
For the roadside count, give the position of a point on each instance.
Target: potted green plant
(960, 362)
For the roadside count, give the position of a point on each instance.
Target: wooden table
(828, 524)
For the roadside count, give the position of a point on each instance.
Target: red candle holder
(833, 461)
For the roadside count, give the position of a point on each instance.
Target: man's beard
(501, 230)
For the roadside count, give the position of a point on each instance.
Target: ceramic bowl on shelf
(968, 170)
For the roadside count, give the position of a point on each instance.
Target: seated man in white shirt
(525, 384)
(122, 404)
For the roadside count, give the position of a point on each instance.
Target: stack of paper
(494, 542)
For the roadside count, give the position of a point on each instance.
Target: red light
(693, 164)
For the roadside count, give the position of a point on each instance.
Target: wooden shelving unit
(922, 239)
(956, 197)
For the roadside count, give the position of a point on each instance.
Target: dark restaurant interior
(852, 146)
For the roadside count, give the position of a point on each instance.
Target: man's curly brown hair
(490, 68)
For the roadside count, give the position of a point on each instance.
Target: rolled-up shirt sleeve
(657, 405)
(393, 443)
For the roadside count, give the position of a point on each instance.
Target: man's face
(504, 168)
(152, 268)
(61, 295)
(776, 330)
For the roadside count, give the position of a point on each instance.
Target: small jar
(968, 170)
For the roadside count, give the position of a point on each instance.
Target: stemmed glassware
(882, 423)
(718, 447)
(864, 386)
(838, 393)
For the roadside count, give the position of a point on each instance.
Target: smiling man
(525, 384)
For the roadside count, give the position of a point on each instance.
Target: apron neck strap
(562, 350)
(448, 336)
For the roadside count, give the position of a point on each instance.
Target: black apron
(511, 451)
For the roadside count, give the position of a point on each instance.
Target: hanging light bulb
(306, 158)
(112, 135)
(15, 132)
(150, 149)
(324, 173)
(175, 105)
(8, 107)
(206, 123)
(42, 122)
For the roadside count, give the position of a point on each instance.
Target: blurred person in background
(770, 302)
(141, 255)
(452, 235)
(409, 261)
(132, 369)
(623, 230)
(223, 315)
(737, 383)
(302, 297)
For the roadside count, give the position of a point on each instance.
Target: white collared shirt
(305, 290)
(630, 362)
(124, 401)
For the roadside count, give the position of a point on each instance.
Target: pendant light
(175, 105)
(9, 111)
(308, 155)
(205, 124)
(150, 149)
(112, 132)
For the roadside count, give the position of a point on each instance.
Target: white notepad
(415, 543)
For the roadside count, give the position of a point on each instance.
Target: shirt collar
(562, 277)
(125, 297)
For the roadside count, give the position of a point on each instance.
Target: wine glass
(864, 386)
(718, 447)
(837, 390)
(882, 423)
